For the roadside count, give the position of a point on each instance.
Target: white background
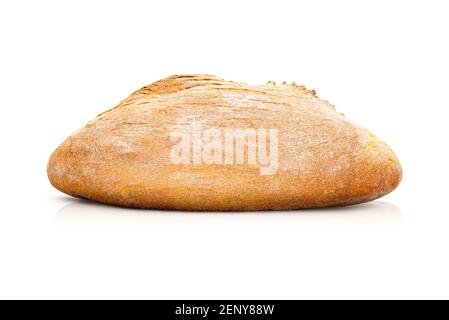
(382, 63)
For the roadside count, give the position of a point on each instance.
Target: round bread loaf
(197, 142)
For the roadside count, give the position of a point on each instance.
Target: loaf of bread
(197, 142)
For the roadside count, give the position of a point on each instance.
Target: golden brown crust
(122, 156)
